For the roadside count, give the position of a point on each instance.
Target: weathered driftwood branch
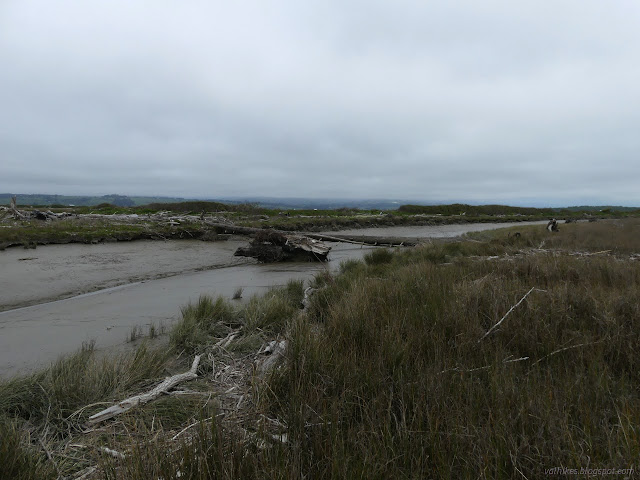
(365, 240)
(113, 453)
(356, 239)
(17, 214)
(564, 350)
(275, 349)
(30, 214)
(86, 473)
(306, 300)
(46, 450)
(507, 314)
(226, 341)
(131, 402)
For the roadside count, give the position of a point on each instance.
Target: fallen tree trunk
(365, 240)
(273, 246)
(143, 398)
(356, 239)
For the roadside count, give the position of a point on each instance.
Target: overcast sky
(520, 102)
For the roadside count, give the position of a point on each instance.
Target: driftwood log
(366, 240)
(273, 246)
(17, 214)
(32, 214)
(143, 398)
(275, 351)
(355, 239)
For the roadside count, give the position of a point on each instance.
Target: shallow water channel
(54, 298)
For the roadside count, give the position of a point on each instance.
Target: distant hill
(304, 204)
(131, 201)
(601, 208)
(319, 203)
(84, 201)
(462, 208)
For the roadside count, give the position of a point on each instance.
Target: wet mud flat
(52, 272)
(153, 280)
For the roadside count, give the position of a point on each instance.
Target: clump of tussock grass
(135, 333)
(157, 330)
(201, 321)
(208, 320)
(237, 295)
(40, 412)
(17, 460)
(51, 398)
(271, 312)
(378, 256)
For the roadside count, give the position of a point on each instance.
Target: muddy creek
(54, 298)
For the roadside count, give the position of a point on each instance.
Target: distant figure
(552, 226)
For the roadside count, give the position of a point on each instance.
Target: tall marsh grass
(401, 382)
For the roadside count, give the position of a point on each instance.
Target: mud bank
(36, 335)
(54, 272)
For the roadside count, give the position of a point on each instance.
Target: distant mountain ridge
(319, 203)
(132, 201)
(84, 201)
(278, 203)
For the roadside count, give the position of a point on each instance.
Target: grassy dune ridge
(188, 220)
(389, 373)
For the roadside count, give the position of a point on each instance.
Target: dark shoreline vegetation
(188, 220)
(499, 356)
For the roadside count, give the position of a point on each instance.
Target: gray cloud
(477, 101)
